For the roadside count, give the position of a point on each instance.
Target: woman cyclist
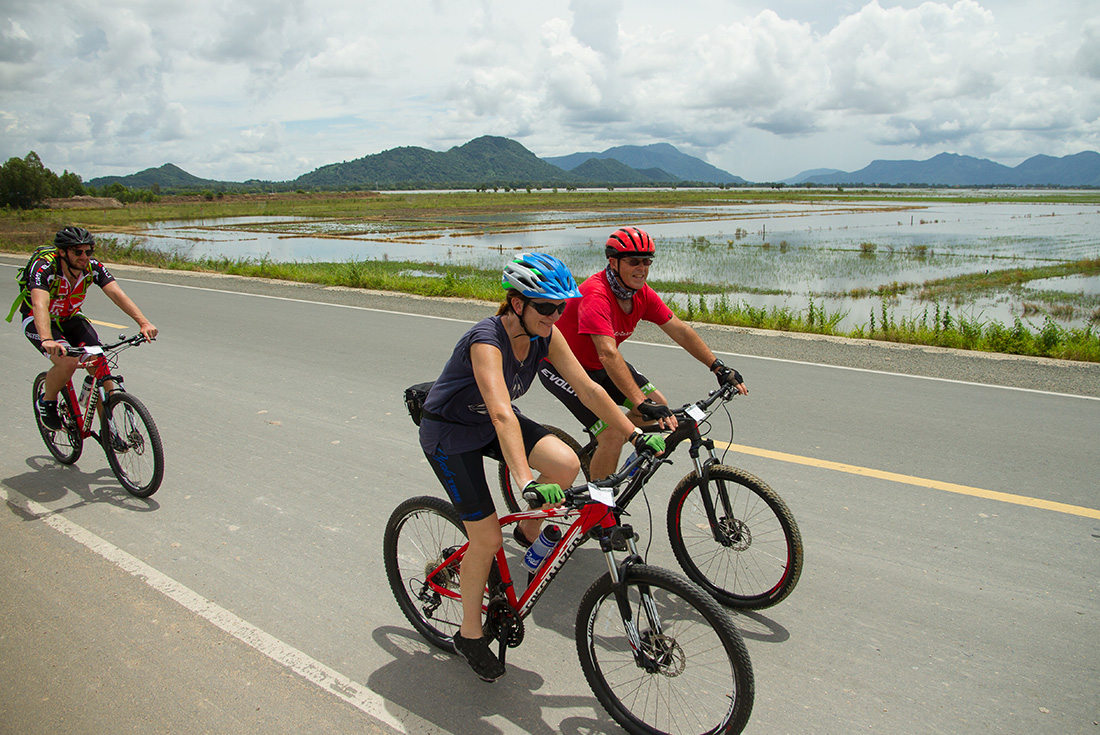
(468, 414)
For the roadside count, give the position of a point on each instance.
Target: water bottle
(631, 458)
(85, 389)
(542, 547)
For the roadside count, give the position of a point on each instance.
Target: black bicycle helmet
(69, 237)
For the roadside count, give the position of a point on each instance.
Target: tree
(24, 182)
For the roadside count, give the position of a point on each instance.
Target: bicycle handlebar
(727, 393)
(137, 339)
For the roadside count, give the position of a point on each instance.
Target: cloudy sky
(272, 89)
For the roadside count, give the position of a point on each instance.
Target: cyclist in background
(468, 414)
(613, 302)
(57, 284)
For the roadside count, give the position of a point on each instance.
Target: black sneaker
(47, 414)
(520, 537)
(481, 659)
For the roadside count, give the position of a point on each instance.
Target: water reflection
(792, 249)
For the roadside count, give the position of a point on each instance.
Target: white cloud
(274, 88)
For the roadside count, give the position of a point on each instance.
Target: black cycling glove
(725, 375)
(653, 411)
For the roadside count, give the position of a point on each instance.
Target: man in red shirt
(613, 303)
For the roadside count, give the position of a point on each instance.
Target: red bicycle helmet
(630, 241)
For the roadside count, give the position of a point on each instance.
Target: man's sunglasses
(547, 309)
(81, 251)
(635, 262)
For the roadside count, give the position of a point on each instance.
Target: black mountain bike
(731, 533)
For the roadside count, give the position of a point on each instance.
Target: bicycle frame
(688, 419)
(102, 360)
(591, 513)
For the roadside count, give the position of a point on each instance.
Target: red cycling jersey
(599, 312)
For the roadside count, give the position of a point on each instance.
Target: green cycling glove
(547, 493)
(649, 442)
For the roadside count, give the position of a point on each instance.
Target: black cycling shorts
(463, 474)
(76, 331)
(561, 390)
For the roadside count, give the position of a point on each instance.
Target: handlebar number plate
(601, 495)
(696, 413)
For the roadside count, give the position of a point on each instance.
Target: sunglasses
(635, 262)
(81, 251)
(547, 309)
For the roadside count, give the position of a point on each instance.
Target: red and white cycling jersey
(66, 297)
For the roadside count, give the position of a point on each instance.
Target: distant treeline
(26, 184)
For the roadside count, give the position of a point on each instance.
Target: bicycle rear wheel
(420, 534)
(691, 673)
(756, 559)
(513, 494)
(132, 444)
(67, 443)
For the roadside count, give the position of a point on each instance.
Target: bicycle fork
(702, 469)
(619, 571)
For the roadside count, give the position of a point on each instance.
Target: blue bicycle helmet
(539, 276)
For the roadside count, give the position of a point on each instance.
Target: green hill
(485, 161)
(167, 177)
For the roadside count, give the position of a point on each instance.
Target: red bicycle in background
(127, 433)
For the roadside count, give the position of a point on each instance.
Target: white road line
(355, 694)
(633, 342)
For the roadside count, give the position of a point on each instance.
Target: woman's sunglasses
(547, 309)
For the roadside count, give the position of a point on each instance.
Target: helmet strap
(523, 324)
(620, 289)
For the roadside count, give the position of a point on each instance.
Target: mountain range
(491, 161)
(950, 169)
(488, 161)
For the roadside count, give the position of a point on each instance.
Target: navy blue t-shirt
(457, 398)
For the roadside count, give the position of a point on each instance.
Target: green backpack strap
(15, 304)
(42, 251)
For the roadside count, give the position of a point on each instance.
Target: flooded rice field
(766, 254)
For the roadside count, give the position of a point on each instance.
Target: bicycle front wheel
(420, 535)
(513, 493)
(132, 444)
(690, 673)
(753, 558)
(67, 443)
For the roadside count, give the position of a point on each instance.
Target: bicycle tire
(67, 443)
(513, 495)
(133, 448)
(420, 533)
(696, 676)
(759, 560)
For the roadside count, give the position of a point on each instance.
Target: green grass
(22, 231)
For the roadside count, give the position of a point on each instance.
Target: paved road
(956, 593)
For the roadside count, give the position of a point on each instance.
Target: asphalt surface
(918, 611)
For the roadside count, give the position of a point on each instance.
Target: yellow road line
(917, 481)
(108, 324)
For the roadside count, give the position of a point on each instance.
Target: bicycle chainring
(501, 619)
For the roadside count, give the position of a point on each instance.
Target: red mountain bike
(659, 653)
(126, 430)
